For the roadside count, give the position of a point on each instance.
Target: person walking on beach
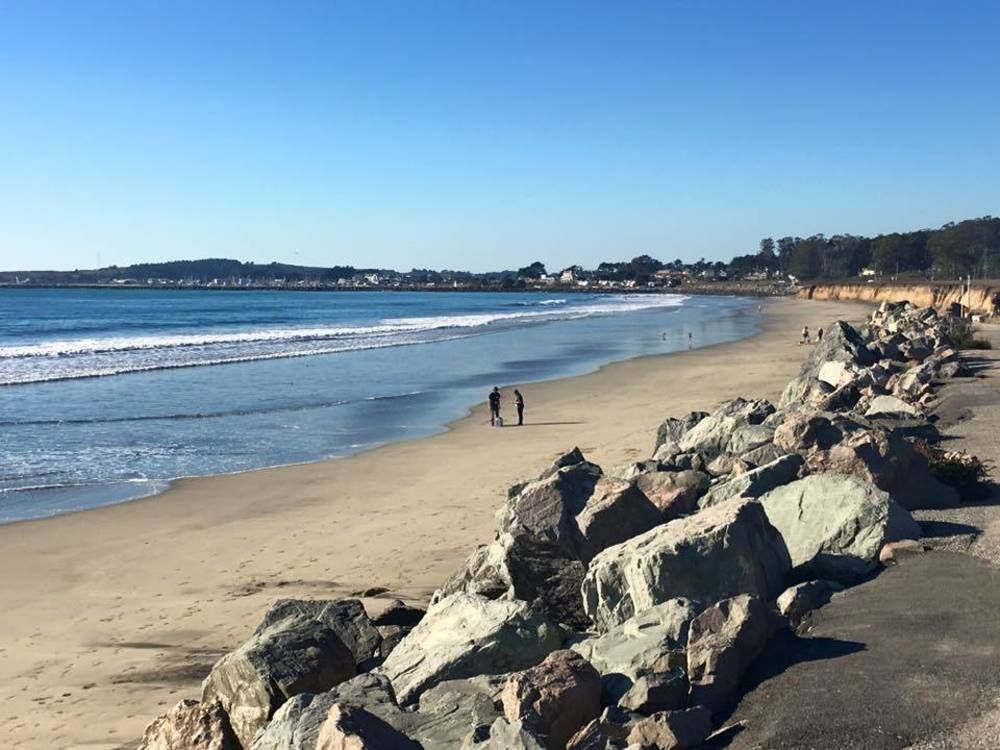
(494, 406)
(805, 335)
(519, 405)
(819, 335)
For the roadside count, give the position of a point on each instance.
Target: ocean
(107, 395)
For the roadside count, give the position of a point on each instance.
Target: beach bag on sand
(499, 422)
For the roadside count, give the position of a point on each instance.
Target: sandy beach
(112, 615)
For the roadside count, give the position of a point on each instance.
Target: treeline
(970, 247)
(203, 271)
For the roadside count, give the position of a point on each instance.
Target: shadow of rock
(784, 651)
(941, 529)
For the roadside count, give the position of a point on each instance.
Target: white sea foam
(96, 357)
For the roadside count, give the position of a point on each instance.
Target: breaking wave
(63, 359)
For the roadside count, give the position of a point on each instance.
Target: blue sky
(485, 135)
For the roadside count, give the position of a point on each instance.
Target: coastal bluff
(938, 296)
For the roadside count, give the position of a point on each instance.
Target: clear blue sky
(485, 135)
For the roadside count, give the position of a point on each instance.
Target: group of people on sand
(495, 419)
(805, 339)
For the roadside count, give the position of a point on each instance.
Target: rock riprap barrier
(616, 608)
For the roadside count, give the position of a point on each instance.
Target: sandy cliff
(939, 296)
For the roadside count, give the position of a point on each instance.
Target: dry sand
(112, 615)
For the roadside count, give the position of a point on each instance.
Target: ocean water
(106, 395)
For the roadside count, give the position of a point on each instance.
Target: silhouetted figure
(819, 335)
(519, 405)
(805, 335)
(495, 406)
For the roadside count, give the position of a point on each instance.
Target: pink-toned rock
(554, 699)
(191, 725)
(674, 493)
(591, 737)
(891, 552)
(352, 728)
(616, 511)
(890, 463)
(673, 730)
(722, 642)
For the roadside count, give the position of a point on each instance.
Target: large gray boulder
(834, 525)
(712, 435)
(803, 391)
(452, 713)
(748, 438)
(191, 726)
(841, 343)
(345, 617)
(890, 406)
(616, 511)
(296, 654)
(296, 725)
(662, 691)
(671, 430)
(720, 552)
(722, 642)
(510, 735)
(756, 482)
(648, 643)
(521, 566)
(447, 714)
(546, 507)
(465, 635)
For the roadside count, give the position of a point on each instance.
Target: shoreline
(115, 613)
(443, 429)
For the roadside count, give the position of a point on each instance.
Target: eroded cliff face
(939, 296)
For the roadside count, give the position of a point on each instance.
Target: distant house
(868, 272)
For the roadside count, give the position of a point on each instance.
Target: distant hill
(200, 271)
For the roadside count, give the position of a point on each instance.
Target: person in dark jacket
(494, 406)
(519, 405)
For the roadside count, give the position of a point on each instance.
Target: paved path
(908, 656)
(911, 659)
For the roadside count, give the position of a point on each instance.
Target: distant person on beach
(690, 336)
(519, 405)
(819, 335)
(494, 406)
(805, 335)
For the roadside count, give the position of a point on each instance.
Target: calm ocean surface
(106, 395)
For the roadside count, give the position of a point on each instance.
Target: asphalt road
(910, 657)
